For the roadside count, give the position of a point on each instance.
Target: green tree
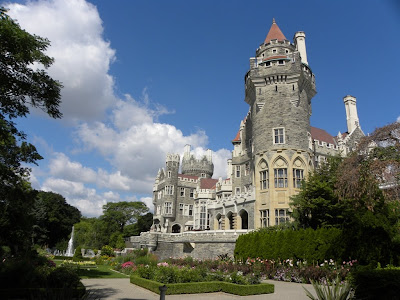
(54, 217)
(91, 233)
(21, 87)
(143, 224)
(119, 214)
(317, 204)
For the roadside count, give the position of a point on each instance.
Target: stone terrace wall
(199, 245)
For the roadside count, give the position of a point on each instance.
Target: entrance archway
(244, 219)
(176, 228)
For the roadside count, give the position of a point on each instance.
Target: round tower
(279, 87)
(202, 167)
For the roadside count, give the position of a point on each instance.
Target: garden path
(122, 289)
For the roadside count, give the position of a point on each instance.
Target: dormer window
(281, 62)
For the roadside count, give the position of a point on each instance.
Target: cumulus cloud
(131, 138)
(82, 56)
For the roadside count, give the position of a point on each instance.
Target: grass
(101, 271)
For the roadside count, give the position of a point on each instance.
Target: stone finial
(273, 21)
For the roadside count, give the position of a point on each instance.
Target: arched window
(280, 173)
(264, 182)
(176, 228)
(244, 218)
(298, 173)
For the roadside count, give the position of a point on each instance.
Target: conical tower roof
(274, 33)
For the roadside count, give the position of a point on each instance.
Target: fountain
(70, 249)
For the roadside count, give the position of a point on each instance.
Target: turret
(202, 167)
(351, 113)
(299, 40)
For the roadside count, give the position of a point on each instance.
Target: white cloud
(82, 56)
(131, 138)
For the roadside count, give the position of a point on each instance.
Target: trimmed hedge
(204, 287)
(377, 284)
(306, 244)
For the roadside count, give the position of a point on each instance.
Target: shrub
(270, 243)
(107, 250)
(204, 287)
(377, 284)
(78, 254)
(331, 290)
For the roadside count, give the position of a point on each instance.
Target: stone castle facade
(273, 151)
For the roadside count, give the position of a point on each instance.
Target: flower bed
(249, 272)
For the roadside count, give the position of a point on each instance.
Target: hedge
(204, 287)
(306, 244)
(377, 284)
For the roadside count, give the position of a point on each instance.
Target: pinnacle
(274, 33)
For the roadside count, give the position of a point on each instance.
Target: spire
(274, 33)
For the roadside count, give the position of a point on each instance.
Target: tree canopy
(360, 195)
(119, 214)
(21, 87)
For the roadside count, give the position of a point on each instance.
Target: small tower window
(274, 50)
(268, 64)
(281, 62)
(276, 88)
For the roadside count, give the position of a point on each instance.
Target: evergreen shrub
(303, 244)
(204, 287)
(377, 284)
(78, 254)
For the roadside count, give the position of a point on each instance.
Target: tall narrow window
(182, 192)
(190, 210)
(298, 175)
(191, 193)
(264, 180)
(281, 216)
(247, 169)
(169, 174)
(237, 171)
(237, 190)
(279, 135)
(280, 178)
(264, 217)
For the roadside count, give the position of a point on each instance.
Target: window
(264, 180)
(298, 175)
(168, 208)
(203, 175)
(247, 169)
(268, 64)
(182, 192)
(169, 189)
(203, 214)
(169, 174)
(237, 190)
(237, 171)
(158, 210)
(159, 195)
(281, 62)
(281, 216)
(280, 176)
(190, 210)
(279, 135)
(286, 51)
(191, 193)
(264, 218)
(181, 205)
(274, 50)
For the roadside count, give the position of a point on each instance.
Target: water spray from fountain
(70, 249)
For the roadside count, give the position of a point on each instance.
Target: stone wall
(199, 245)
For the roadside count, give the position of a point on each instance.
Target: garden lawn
(101, 271)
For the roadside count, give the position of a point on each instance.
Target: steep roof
(274, 33)
(208, 183)
(322, 135)
(237, 138)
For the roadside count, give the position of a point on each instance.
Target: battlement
(173, 157)
(202, 167)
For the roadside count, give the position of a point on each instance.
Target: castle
(274, 149)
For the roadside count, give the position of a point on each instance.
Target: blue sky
(143, 78)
